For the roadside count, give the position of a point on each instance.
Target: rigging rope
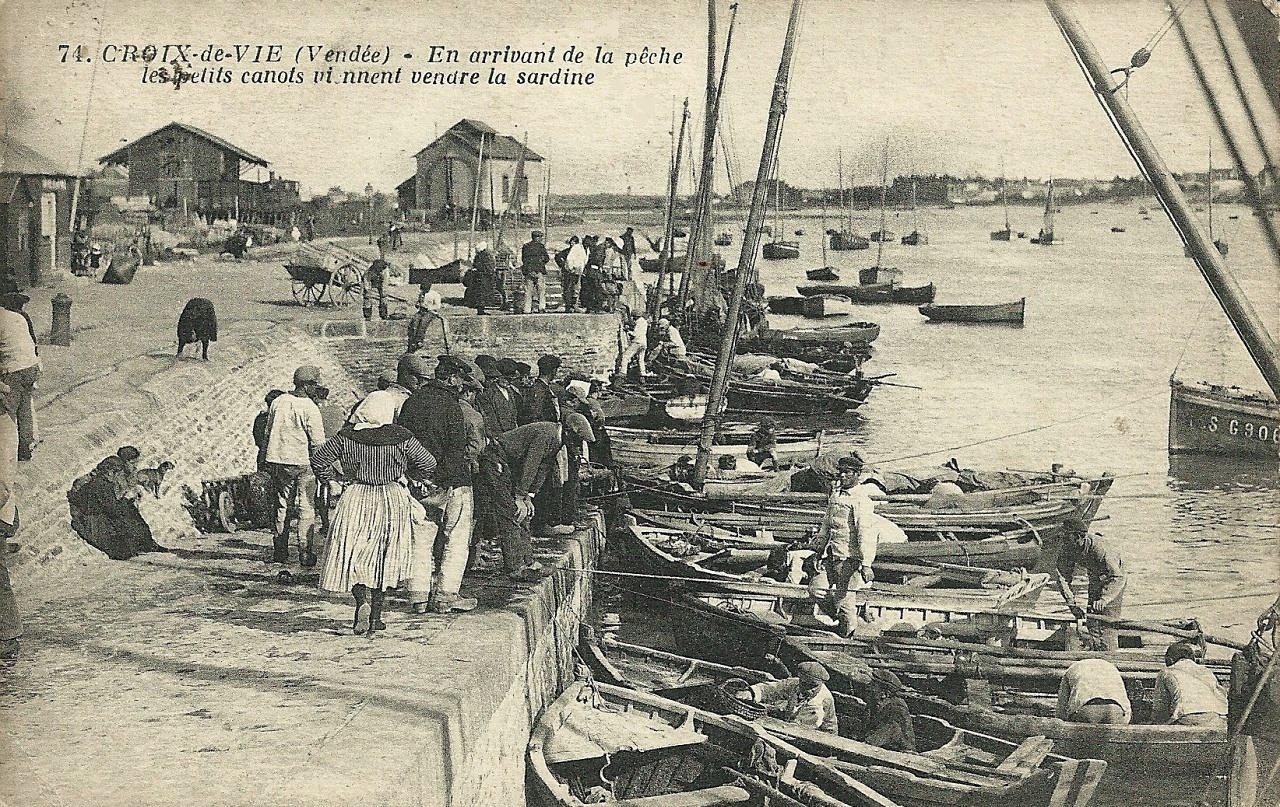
(1143, 54)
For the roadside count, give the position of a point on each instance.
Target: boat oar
(892, 384)
(1167, 630)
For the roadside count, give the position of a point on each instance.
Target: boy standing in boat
(848, 540)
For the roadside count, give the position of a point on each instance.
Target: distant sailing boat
(779, 249)
(915, 238)
(1220, 243)
(1046, 237)
(1007, 232)
(879, 274)
(846, 239)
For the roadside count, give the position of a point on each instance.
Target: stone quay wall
(587, 343)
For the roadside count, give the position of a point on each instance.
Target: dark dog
(197, 323)
(150, 479)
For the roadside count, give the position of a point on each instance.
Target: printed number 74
(76, 54)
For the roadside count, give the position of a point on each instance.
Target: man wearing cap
(1104, 566)
(628, 239)
(499, 402)
(294, 430)
(541, 401)
(425, 320)
(848, 540)
(533, 265)
(803, 700)
(434, 415)
(375, 282)
(889, 724)
(513, 468)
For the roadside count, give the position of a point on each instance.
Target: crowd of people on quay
(446, 452)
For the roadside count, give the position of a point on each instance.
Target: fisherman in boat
(1104, 566)
(636, 347)
(671, 339)
(763, 450)
(1188, 693)
(889, 723)
(846, 545)
(1092, 691)
(803, 699)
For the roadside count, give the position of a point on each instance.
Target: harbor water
(1109, 317)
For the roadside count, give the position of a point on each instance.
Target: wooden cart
(327, 271)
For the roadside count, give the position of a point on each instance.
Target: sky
(957, 87)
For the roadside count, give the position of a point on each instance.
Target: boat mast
(667, 256)
(915, 212)
(1224, 285)
(840, 180)
(699, 260)
(750, 245)
(1004, 196)
(884, 183)
(475, 201)
(1211, 190)
(1047, 227)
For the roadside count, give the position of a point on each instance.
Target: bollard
(60, 331)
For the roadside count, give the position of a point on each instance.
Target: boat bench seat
(707, 797)
(1027, 756)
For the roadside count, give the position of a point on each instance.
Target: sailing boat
(1046, 237)
(1203, 418)
(878, 274)
(1007, 232)
(915, 238)
(1221, 244)
(845, 239)
(779, 249)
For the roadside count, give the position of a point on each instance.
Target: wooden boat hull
(652, 265)
(1015, 550)
(789, 343)
(786, 306)
(880, 293)
(825, 274)
(1174, 750)
(847, 242)
(637, 452)
(631, 745)
(953, 766)
(1002, 235)
(887, 236)
(915, 239)
(1206, 419)
(780, 250)
(1001, 312)
(786, 398)
(877, 275)
(820, 306)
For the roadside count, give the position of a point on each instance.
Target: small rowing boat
(780, 250)
(603, 744)
(825, 274)
(644, 448)
(879, 293)
(991, 312)
(951, 766)
(820, 306)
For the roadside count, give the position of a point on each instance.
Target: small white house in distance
(447, 168)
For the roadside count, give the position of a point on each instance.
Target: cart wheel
(345, 285)
(307, 294)
(227, 511)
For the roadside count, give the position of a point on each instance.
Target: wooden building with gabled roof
(184, 168)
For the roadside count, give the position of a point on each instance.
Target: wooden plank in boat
(1027, 756)
(706, 797)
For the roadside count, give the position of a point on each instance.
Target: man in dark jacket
(629, 248)
(435, 417)
(513, 469)
(375, 283)
(499, 401)
(533, 265)
(541, 401)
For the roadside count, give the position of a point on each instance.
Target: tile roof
(121, 155)
(498, 146)
(16, 158)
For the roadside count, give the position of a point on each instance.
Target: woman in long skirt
(371, 531)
